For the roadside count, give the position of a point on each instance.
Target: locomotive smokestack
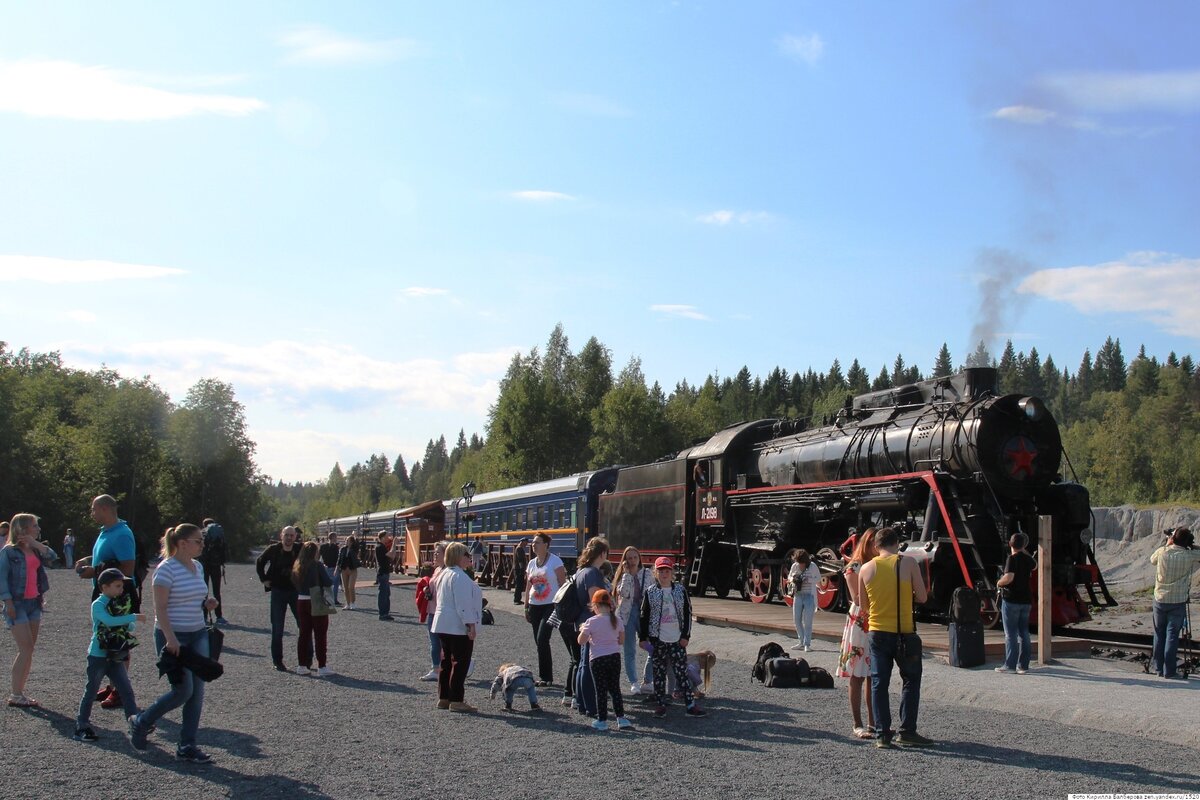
(981, 381)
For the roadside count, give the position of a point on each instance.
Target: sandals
(864, 733)
(21, 701)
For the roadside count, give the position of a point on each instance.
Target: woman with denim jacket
(23, 582)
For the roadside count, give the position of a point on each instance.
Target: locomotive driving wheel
(989, 610)
(832, 594)
(759, 584)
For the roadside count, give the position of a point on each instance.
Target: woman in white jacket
(631, 581)
(458, 614)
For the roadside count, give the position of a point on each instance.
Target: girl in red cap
(667, 624)
(604, 635)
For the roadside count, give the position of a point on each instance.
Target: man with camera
(1174, 564)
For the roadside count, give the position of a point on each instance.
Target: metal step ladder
(694, 568)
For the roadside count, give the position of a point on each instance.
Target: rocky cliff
(1127, 524)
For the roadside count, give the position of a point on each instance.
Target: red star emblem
(1021, 453)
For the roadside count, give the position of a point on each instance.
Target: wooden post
(1045, 590)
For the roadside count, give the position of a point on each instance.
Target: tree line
(67, 435)
(1131, 430)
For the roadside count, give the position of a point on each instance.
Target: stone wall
(1127, 523)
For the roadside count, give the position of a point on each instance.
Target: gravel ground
(371, 731)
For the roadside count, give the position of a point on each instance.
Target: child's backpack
(964, 605)
(787, 673)
(819, 678)
(486, 617)
(767, 652)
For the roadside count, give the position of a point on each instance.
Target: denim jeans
(803, 608)
(97, 668)
(384, 582)
(631, 648)
(335, 580)
(1016, 634)
(905, 650)
(585, 687)
(525, 683)
(435, 645)
(188, 693)
(1168, 623)
(281, 601)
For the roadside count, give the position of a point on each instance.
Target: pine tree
(857, 378)
(882, 380)
(944, 366)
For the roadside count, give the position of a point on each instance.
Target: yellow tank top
(882, 591)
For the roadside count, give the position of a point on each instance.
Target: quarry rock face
(1128, 524)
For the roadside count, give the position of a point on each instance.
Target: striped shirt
(186, 594)
(1173, 572)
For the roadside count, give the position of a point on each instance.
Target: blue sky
(357, 213)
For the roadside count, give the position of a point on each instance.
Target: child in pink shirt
(605, 635)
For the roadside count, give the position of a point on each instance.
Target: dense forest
(67, 435)
(1131, 429)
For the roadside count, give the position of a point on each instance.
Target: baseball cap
(664, 563)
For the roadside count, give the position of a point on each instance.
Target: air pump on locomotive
(954, 465)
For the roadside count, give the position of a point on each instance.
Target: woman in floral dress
(855, 659)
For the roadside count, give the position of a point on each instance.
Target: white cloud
(687, 312)
(66, 90)
(302, 375)
(1163, 288)
(1121, 92)
(81, 315)
(807, 48)
(590, 104)
(423, 291)
(313, 44)
(540, 196)
(1031, 115)
(310, 455)
(61, 270)
(724, 217)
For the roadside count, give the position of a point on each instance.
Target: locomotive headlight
(1033, 408)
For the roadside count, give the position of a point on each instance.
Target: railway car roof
(723, 439)
(571, 483)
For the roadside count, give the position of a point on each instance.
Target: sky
(357, 213)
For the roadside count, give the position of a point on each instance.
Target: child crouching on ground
(606, 636)
(108, 653)
(510, 678)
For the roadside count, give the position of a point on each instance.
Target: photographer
(1174, 564)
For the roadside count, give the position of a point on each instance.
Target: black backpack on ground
(787, 673)
(819, 678)
(965, 605)
(767, 652)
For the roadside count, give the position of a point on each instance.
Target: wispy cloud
(1031, 115)
(304, 375)
(42, 269)
(592, 105)
(687, 312)
(1122, 92)
(314, 44)
(807, 48)
(725, 217)
(423, 291)
(1164, 288)
(540, 196)
(65, 90)
(81, 315)
(310, 454)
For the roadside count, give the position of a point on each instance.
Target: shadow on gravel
(1143, 679)
(237, 743)
(233, 651)
(1178, 781)
(259, 787)
(60, 722)
(369, 685)
(246, 629)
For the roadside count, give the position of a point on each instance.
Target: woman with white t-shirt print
(666, 622)
(543, 575)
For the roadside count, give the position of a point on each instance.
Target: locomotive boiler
(954, 465)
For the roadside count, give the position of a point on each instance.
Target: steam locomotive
(952, 464)
(955, 466)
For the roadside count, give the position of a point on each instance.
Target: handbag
(216, 637)
(321, 598)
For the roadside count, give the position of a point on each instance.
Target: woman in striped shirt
(180, 599)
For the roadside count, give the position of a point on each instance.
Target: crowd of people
(603, 620)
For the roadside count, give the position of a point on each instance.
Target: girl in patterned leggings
(667, 624)
(605, 635)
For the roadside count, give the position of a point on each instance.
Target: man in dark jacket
(275, 571)
(212, 558)
(383, 575)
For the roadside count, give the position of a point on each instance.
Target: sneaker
(508, 707)
(302, 670)
(193, 754)
(85, 735)
(281, 667)
(112, 701)
(913, 739)
(535, 707)
(137, 736)
(1003, 669)
(599, 725)
(635, 688)
(386, 618)
(797, 646)
(314, 672)
(623, 724)
(222, 621)
(807, 648)
(884, 742)
(568, 700)
(463, 708)
(660, 711)
(324, 672)
(695, 711)
(432, 675)
(442, 705)
(104, 693)
(1022, 670)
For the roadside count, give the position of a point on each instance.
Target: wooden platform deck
(776, 619)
